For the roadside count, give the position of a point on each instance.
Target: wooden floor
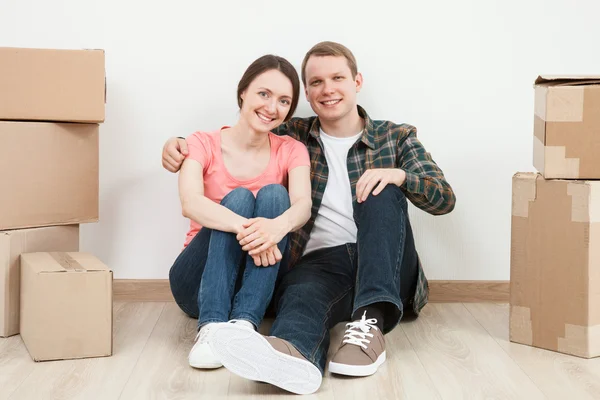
(453, 351)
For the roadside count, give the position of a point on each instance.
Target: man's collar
(367, 135)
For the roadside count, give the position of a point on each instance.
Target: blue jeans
(205, 279)
(326, 286)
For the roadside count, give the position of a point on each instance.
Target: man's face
(330, 87)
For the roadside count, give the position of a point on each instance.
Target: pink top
(205, 147)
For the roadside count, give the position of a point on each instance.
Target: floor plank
(95, 378)
(559, 376)
(163, 372)
(451, 351)
(461, 358)
(15, 365)
(401, 377)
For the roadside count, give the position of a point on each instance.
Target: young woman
(243, 189)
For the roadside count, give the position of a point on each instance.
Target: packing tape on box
(67, 262)
(521, 330)
(524, 191)
(558, 165)
(585, 205)
(582, 341)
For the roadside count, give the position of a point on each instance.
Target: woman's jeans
(213, 280)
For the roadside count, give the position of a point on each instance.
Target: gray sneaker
(362, 351)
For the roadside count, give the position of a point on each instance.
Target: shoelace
(358, 331)
(202, 335)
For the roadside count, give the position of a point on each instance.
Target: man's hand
(174, 152)
(269, 257)
(259, 234)
(383, 176)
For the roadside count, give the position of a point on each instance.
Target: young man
(355, 258)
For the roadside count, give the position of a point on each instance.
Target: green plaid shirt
(383, 145)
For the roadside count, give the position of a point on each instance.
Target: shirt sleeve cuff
(412, 183)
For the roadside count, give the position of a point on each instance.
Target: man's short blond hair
(330, 49)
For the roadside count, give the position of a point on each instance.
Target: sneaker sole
(205, 366)
(248, 354)
(356, 370)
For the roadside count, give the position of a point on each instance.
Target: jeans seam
(244, 276)
(400, 250)
(329, 307)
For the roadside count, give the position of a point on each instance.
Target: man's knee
(391, 195)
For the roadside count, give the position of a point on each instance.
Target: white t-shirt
(335, 224)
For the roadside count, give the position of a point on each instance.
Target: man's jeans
(204, 278)
(326, 286)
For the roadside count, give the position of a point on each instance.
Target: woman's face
(267, 101)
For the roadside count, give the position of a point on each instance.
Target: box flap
(524, 192)
(567, 80)
(61, 262)
(89, 261)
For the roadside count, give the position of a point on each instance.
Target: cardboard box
(555, 264)
(52, 85)
(66, 305)
(566, 140)
(49, 174)
(12, 244)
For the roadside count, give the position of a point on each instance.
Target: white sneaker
(253, 356)
(201, 355)
(244, 323)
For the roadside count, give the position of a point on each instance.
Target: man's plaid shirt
(383, 145)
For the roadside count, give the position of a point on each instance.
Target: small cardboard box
(566, 142)
(12, 244)
(49, 174)
(66, 305)
(52, 85)
(555, 265)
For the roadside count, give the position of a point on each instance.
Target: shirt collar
(367, 135)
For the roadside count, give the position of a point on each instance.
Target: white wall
(461, 71)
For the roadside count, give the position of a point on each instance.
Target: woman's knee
(240, 200)
(274, 193)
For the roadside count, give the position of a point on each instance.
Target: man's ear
(359, 81)
(306, 92)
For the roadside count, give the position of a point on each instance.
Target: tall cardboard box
(49, 174)
(566, 140)
(555, 264)
(12, 244)
(52, 85)
(66, 305)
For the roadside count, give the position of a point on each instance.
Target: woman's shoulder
(209, 140)
(204, 136)
(284, 140)
(290, 149)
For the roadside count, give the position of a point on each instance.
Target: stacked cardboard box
(51, 105)
(555, 244)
